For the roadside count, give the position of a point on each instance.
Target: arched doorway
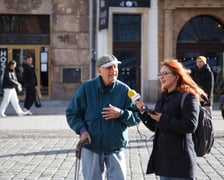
(203, 35)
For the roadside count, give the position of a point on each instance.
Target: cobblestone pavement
(43, 147)
(51, 155)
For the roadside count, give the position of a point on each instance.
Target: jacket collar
(103, 88)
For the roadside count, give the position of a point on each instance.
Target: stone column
(168, 34)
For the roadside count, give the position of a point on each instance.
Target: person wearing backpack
(173, 155)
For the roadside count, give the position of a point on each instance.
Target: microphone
(134, 96)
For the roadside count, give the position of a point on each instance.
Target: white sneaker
(27, 112)
(3, 115)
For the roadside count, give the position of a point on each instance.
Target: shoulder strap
(182, 99)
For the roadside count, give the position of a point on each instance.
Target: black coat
(9, 80)
(29, 76)
(205, 79)
(173, 152)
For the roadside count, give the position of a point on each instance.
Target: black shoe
(38, 105)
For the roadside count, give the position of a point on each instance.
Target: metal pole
(78, 158)
(93, 35)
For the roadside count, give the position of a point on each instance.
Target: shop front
(23, 35)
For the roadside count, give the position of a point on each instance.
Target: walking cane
(78, 158)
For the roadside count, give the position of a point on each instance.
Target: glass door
(129, 69)
(40, 57)
(127, 47)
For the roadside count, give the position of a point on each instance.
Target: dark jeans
(30, 96)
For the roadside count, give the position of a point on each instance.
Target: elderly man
(101, 112)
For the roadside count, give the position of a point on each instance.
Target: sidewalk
(42, 147)
(51, 116)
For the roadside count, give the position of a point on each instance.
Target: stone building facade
(70, 20)
(68, 48)
(153, 37)
(173, 14)
(163, 36)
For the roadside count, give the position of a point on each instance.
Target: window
(126, 28)
(24, 29)
(202, 29)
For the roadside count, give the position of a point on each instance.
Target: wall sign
(103, 18)
(71, 75)
(3, 63)
(126, 3)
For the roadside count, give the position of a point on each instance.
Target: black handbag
(37, 101)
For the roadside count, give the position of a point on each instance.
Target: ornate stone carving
(172, 4)
(22, 5)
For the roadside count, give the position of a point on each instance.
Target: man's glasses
(162, 74)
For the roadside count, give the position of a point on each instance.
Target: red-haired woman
(173, 154)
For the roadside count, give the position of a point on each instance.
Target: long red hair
(185, 82)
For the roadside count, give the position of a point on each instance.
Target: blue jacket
(85, 110)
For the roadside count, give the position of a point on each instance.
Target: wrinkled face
(108, 74)
(200, 63)
(167, 79)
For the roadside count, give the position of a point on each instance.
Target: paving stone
(49, 153)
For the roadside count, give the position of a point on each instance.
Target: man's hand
(85, 138)
(111, 112)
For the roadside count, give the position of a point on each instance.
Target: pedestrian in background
(220, 90)
(173, 155)
(101, 112)
(10, 84)
(204, 77)
(29, 82)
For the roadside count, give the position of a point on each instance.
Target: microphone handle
(144, 108)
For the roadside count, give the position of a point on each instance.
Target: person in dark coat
(29, 82)
(220, 89)
(173, 154)
(204, 77)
